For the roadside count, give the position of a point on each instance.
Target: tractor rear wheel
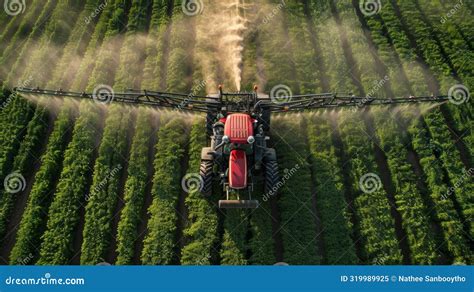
(206, 173)
(271, 177)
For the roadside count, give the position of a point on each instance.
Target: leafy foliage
(201, 231)
(160, 242)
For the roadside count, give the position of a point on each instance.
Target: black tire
(206, 173)
(271, 177)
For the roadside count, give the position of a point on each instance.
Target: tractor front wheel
(206, 173)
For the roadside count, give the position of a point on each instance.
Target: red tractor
(239, 150)
(237, 124)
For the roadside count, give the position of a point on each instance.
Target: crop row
(160, 243)
(57, 245)
(458, 50)
(447, 153)
(17, 27)
(328, 197)
(421, 141)
(443, 61)
(297, 218)
(408, 199)
(329, 189)
(152, 243)
(157, 46)
(106, 188)
(15, 53)
(135, 189)
(463, 22)
(373, 219)
(449, 39)
(262, 241)
(201, 230)
(63, 215)
(34, 218)
(180, 49)
(31, 133)
(34, 221)
(295, 202)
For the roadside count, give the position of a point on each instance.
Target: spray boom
(245, 102)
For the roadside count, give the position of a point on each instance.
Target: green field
(88, 183)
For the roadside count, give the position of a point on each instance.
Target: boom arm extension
(250, 102)
(153, 98)
(334, 100)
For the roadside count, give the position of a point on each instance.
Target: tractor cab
(238, 132)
